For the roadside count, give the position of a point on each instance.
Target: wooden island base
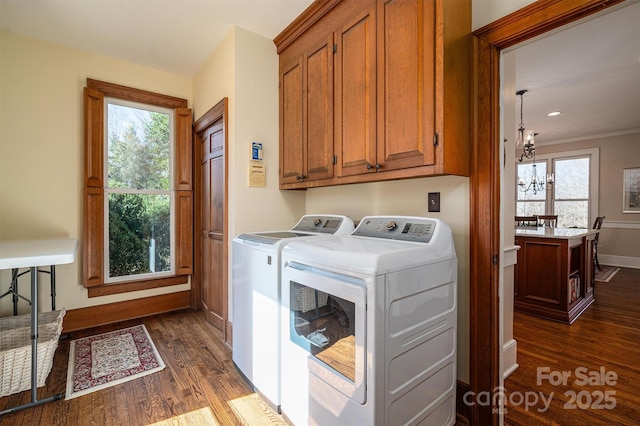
(554, 275)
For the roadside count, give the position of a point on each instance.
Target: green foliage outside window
(139, 162)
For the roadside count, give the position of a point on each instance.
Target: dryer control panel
(404, 228)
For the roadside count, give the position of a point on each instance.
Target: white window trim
(107, 190)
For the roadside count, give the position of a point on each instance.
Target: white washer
(256, 298)
(369, 325)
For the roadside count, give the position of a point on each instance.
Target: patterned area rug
(97, 362)
(606, 274)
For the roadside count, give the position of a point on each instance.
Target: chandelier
(535, 184)
(526, 141)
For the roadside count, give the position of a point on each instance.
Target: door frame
(216, 113)
(486, 168)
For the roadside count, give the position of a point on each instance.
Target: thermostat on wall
(256, 151)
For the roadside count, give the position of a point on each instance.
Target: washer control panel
(406, 228)
(325, 224)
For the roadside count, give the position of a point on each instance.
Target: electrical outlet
(433, 201)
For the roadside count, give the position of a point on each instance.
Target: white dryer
(369, 325)
(256, 298)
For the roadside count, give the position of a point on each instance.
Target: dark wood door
(212, 230)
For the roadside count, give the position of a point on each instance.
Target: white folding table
(33, 254)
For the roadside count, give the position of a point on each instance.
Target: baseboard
(92, 316)
(463, 413)
(509, 358)
(620, 261)
(228, 335)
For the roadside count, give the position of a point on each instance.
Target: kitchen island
(554, 277)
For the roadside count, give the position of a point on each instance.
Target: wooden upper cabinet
(355, 95)
(399, 103)
(406, 84)
(306, 115)
(317, 115)
(291, 144)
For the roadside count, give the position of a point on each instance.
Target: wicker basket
(304, 298)
(15, 350)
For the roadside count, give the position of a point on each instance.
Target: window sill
(126, 287)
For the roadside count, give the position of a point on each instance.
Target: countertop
(549, 232)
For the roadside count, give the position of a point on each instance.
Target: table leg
(52, 274)
(34, 351)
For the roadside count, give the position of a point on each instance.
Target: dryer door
(327, 318)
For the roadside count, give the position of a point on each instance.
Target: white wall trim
(623, 261)
(510, 256)
(620, 225)
(594, 136)
(509, 358)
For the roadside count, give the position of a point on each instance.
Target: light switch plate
(433, 201)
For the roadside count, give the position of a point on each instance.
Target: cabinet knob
(301, 177)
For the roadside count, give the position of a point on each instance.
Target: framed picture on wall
(631, 194)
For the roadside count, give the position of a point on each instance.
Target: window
(573, 196)
(137, 195)
(571, 192)
(139, 210)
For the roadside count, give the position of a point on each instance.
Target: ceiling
(589, 71)
(177, 36)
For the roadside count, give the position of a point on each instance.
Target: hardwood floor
(199, 385)
(606, 337)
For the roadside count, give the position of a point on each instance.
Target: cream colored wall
(41, 161)
(268, 208)
(409, 197)
(244, 68)
(486, 11)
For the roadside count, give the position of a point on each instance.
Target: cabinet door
(406, 83)
(355, 95)
(291, 125)
(318, 111)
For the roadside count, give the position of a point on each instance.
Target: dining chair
(526, 221)
(597, 225)
(548, 220)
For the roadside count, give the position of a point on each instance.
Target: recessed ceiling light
(554, 113)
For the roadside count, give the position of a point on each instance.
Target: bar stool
(597, 225)
(548, 220)
(526, 221)
(16, 296)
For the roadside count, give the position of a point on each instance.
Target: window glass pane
(572, 179)
(526, 175)
(572, 214)
(138, 144)
(139, 234)
(531, 208)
